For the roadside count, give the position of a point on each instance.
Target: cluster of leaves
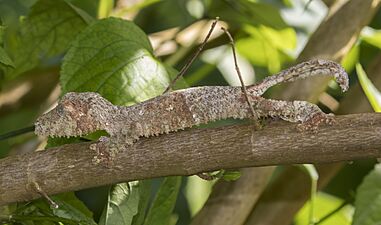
(114, 57)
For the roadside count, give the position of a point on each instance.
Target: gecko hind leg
(309, 115)
(107, 148)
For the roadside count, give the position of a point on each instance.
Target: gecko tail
(314, 67)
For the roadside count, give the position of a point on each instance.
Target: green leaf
(240, 12)
(372, 37)
(164, 202)
(2, 29)
(46, 32)
(114, 58)
(5, 59)
(310, 169)
(349, 61)
(324, 205)
(371, 92)
(144, 197)
(134, 8)
(82, 13)
(196, 192)
(122, 204)
(104, 8)
(368, 199)
(231, 175)
(266, 46)
(70, 207)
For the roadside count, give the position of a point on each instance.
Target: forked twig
(239, 72)
(187, 65)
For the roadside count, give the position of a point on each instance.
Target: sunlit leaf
(196, 192)
(164, 202)
(114, 58)
(310, 169)
(325, 205)
(368, 199)
(105, 7)
(122, 204)
(372, 37)
(45, 32)
(267, 47)
(349, 61)
(371, 92)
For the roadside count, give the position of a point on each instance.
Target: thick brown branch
(71, 167)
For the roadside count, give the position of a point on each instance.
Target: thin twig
(16, 132)
(200, 48)
(321, 220)
(36, 187)
(239, 72)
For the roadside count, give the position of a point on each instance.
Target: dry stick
(187, 65)
(16, 132)
(36, 187)
(239, 72)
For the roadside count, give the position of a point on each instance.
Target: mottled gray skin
(78, 114)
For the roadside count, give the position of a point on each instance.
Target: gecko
(79, 114)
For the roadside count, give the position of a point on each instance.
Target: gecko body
(78, 114)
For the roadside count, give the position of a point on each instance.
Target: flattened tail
(311, 68)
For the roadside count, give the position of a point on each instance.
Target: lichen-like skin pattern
(78, 114)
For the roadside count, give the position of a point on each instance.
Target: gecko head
(76, 114)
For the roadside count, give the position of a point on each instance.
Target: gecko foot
(313, 123)
(105, 151)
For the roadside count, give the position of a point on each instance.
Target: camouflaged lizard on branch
(79, 114)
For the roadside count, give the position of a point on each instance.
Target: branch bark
(71, 167)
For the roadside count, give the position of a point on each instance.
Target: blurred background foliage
(49, 47)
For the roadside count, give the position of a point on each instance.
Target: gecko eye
(60, 110)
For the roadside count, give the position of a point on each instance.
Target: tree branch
(71, 167)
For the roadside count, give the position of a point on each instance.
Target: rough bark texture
(70, 167)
